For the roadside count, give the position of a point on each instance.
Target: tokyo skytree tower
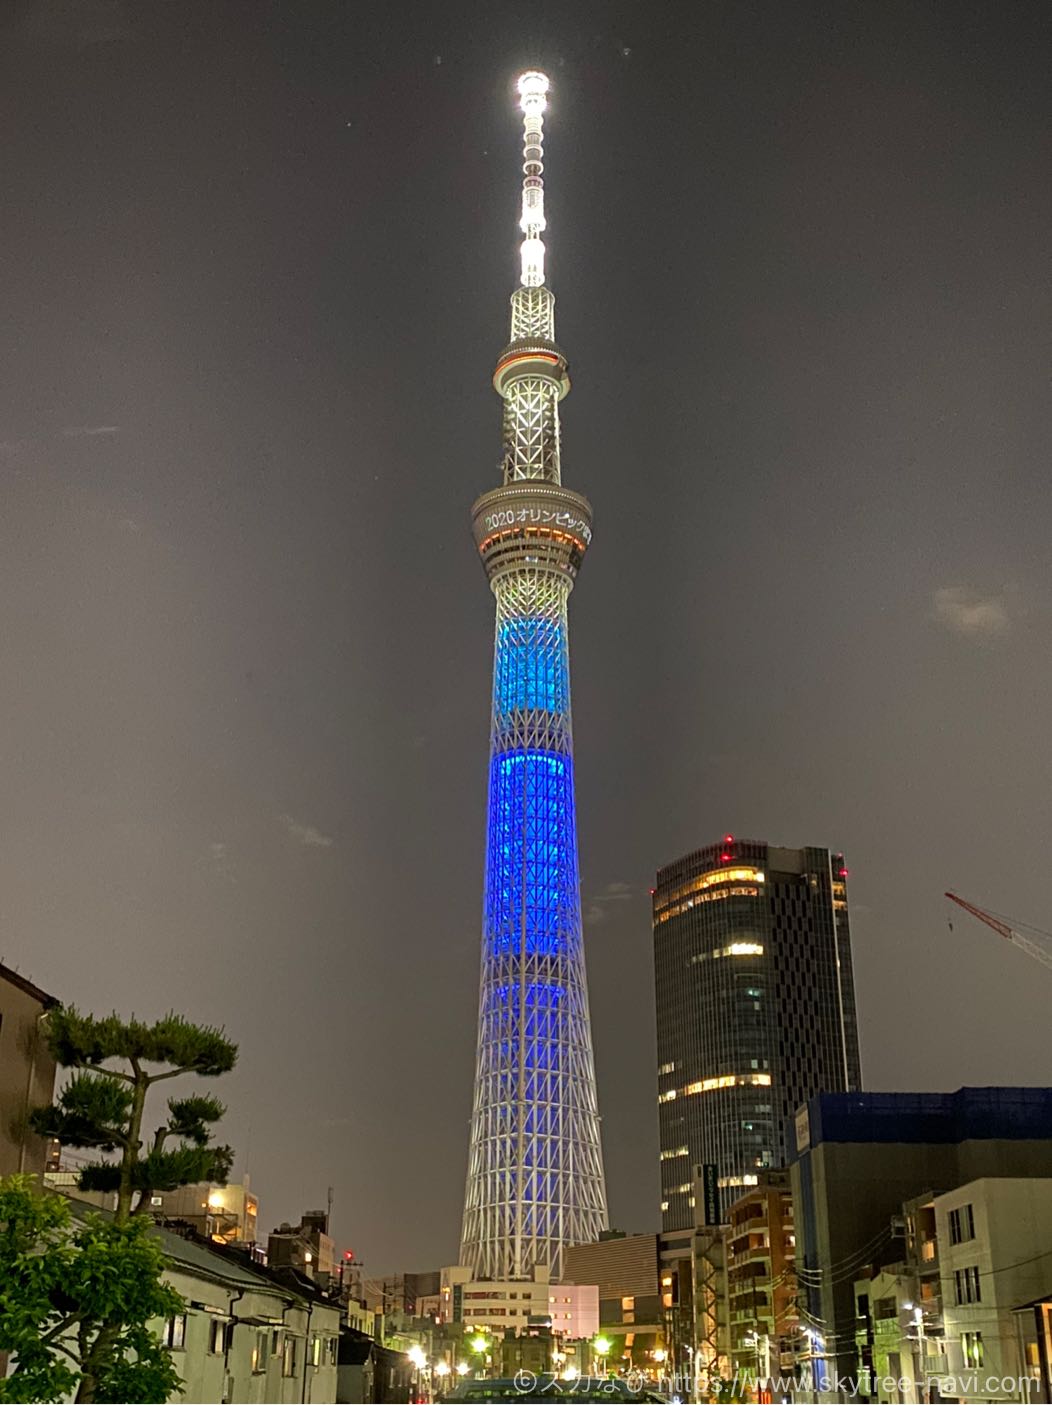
(535, 1169)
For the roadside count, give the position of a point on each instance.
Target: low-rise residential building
(889, 1336)
(307, 1247)
(995, 1257)
(369, 1371)
(761, 1278)
(873, 1184)
(227, 1214)
(248, 1335)
(27, 1072)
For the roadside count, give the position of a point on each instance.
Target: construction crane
(1004, 929)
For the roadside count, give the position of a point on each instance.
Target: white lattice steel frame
(535, 1173)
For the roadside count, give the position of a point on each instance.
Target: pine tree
(102, 1108)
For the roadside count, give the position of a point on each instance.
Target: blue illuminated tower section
(535, 1173)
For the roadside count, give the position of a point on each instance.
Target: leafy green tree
(76, 1300)
(102, 1107)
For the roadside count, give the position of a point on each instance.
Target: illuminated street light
(417, 1356)
(462, 1368)
(479, 1343)
(442, 1368)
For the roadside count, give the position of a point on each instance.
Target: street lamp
(441, 1370)
(480, 1346)
(418, 1359)
(462, 1368)
(601, 1347)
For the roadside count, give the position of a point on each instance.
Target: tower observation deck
(535, 1170)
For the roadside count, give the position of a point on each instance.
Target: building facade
(245, 1335)
(995, 1258)
(662, 1302)
(535, 1173)
(228, 1214)
(308, 1247)
(872, 1183)
(27, 1072)
(755, 1007)
(492, 1303)
(626, 1269)
(761, 1278)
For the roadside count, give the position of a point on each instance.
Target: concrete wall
(1012, 1249)
(27, 1076)
(846, 1193)
(255, 1359)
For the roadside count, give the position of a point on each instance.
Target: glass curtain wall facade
(755, 1008)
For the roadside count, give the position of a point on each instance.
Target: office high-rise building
(535, 1169)
(755, 1008)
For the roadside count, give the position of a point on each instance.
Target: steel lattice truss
(531, 430)
(535, 1175)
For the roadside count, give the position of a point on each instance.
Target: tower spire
(535, 1174)
(533, 94)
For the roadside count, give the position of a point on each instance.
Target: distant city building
(405, 1294)
(626, 1269)
(755, 1007)
(662, 1300)
(493, 1303)
(573, 1310)
(887, 1337)
(877, 1180)
(65, 1179)
(27, 1072)
(761, 1278)
(530, 1352)
(307, 1247)
(370, 1371)
(227, 1214)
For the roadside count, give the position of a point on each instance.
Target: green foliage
(116, 1062)
(76, 1298)
(83, 1041)
(92, 1110)
(102, 1105)
(190, 1117)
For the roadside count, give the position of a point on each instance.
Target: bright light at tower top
(533, 89)
(533, 98)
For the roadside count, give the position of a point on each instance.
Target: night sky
(256, 260)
